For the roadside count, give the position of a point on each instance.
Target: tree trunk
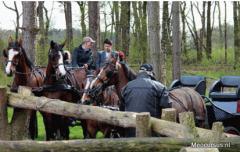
(166, 46)
(69, 29)
(196, 39)
(220, 24)
(112, 17)
(225, 33)
(125, 26)
(203, 33)
(82, 19)
(143, 46)
(156, 53)
(42, 45)
(176, 41)
(137, 29)
(209, 32)
(184, 38)
(117, 26)
(29, 28)
(94, 19)
(236, 34)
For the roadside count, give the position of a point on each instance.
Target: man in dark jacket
(82, 55)
(144, 94)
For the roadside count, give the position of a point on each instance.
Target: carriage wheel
(231, 130)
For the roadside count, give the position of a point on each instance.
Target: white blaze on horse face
(94, 81)
(84, 96)
(61, 65)
(11, 54)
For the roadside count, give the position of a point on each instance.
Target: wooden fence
(185, 133)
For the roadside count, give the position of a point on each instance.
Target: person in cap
(104, 55)
(82, 55)
(144, 94)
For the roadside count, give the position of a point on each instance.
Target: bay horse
(25, 74)
(107, 99)
(60, 84)
(182, 99)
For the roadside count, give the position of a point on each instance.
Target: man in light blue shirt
(105, 54)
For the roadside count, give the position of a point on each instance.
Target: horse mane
(131, 75)
(28, 61)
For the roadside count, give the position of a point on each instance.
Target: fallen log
(123, 119)
(118, 145)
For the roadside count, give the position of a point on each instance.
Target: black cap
(146, 67)
(107, 41)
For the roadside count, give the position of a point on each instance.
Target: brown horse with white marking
(60, 84)
(25, 74)
(107, 99)
(182, 99)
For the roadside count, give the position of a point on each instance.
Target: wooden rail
(161, 144)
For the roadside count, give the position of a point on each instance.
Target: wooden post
(21, 118)
(217, 131)
(169, 114)
(187, 119)
(4, 128)
(143, 125)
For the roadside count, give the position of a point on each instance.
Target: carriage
(223, 103)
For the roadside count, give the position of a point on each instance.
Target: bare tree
(112, 16)
(117, 25)
(29, 28)
(82, 6)
(125, 26)
(219, 23)
(166, 46)
(143, 33)
(94, 19)
(225, 32)
(209, 32)
(176, 40)
(42, 44)
(69, 29)
(156, 53)
(236, 33)
(15, 9)
(137, 28)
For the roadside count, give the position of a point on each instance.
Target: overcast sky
(7, 17)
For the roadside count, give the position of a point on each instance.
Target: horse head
(12, 55)
(56, 59)
(107, 76)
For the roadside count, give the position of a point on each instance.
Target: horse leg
(33, 126)
(64, 129)
(84, 128)
(90, 129)
(49, 131)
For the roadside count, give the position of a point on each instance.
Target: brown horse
(60, 84)
(182, 99)
(107, 99)
(25, 74)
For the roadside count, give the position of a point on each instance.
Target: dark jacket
(144, 95)
(81, 57)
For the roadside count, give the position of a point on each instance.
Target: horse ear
(52, 44)
(63, 44)
(10, 39)
(20, 41)
(5, 53)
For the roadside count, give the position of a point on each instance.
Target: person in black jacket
(144, 94)
(82, 55)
